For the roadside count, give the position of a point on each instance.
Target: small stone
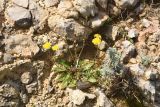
(132, 33)
(7, 58)
(146, 23)
(102, 100)
(151, 74)
(126, 3)
(49, 3)
(133, 61)
(22, 3)
(23, 23)
(83, 85)
(136, 69)
(26, 78)
(102, 45)
(31, 88)
(77, 97)
(129, 51)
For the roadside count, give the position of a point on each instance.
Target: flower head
(97, 36)
(55, 47)
(96, 41)
(47, 45)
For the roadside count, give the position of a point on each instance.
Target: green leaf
(72, 83)
(63, 85)
(92, 80)
(62, 77)
(60, 68)
(64, 63)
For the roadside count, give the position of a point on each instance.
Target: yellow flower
(47, 45)
(55, 47)
(96, 41)
(97, 36)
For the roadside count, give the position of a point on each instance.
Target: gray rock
(49, 3)
(99, 20)
(26, 78)
(7, 58)
(102, 100)
(129, 51)
(16, 13)
(126, 3)
(68, 27)
(136, 69)
(132, 33)
(31, 88)
(22, 45)
(22, 3)
(151, 74)
(103, 3)
(77, 97)
(149, 90)
(86, 7)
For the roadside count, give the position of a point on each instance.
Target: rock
(22, 3)
(114, 10)
(99, 20)
(9, 96)
(132, 33)
(31, 88)
(148, 89)
(17, 13)
(7, 58)
(126, 3)
(146, 23)
(68, 28)
(129, 51)
(86, 8)
(67, 10)
(102, 100)
(23, 23)
(21, 45)
(26, 78)
(151, 74)
(111, 32)
(103, 3)
(39, 17)
(136, 69)
(102, 45)
(83, 85)
(49, 3)
(78, 100)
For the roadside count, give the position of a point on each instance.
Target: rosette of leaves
(67, 74)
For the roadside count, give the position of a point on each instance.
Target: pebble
(132, 33)
(7, 58)
(146, 23)
(26, 78)
(49, 3)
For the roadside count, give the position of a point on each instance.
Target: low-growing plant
(112, 62)
(69, 72)
(145, 60)
(68, 75)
